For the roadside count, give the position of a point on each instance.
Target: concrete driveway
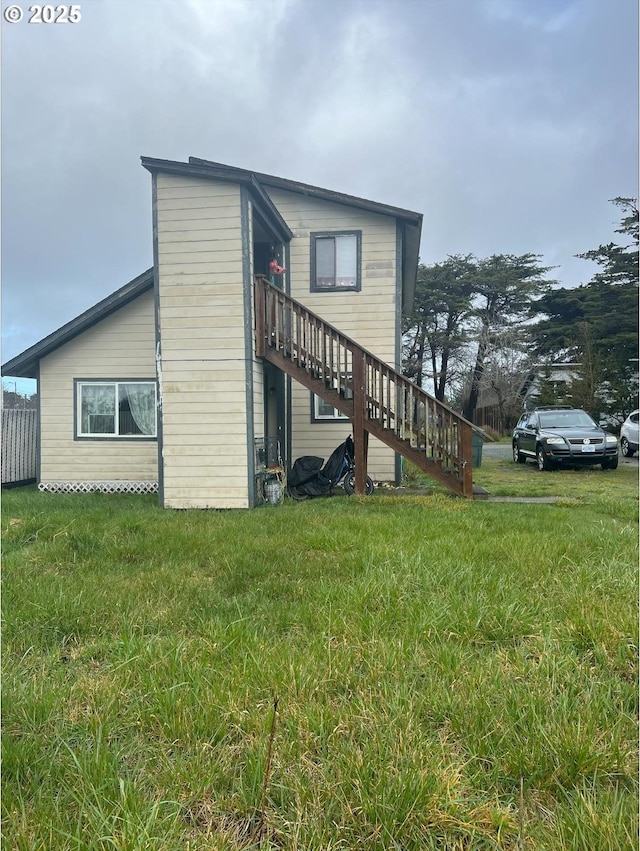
(497, 451)
(632, 462)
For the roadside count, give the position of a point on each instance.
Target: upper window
(109, 409)
(335, 261)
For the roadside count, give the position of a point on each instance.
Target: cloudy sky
(507, 123)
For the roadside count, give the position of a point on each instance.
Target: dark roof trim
(212, 171)
(197, 167)
(313, 191)
(25, 365)
(270, 211)
(410, 257)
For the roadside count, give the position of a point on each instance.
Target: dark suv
(557, 435)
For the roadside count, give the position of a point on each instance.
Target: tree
(585, 391)
(435, 333)
(507, 367)
(596, 324)
(11, 399)
(620, 264)
(469, 314)
(505, 287)
(549, 389)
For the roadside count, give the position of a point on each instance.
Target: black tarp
(308, 478)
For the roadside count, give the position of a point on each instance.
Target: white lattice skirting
(98, 487)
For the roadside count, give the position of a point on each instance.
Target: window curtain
(325, 262)
(98, 409)
(346, 260)
(142, 404)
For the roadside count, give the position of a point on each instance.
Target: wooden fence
(19, 446)
(490, 416)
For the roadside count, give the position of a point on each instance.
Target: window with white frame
(335, 261)
(324, 412)
(116, 409)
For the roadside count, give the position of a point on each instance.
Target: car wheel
(627, 451)
(518, 457)
(543, 463)
(610, 464)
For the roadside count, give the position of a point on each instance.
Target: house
(271, 316)
(505, 394)
(554, 379)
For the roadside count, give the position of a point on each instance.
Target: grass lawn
(448, 674)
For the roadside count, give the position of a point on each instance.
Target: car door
(519, 431)
(528, 434)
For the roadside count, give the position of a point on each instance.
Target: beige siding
(368, 316)
(121, 346)
(203, 356)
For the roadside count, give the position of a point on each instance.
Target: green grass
(587, 484)
(450, 675)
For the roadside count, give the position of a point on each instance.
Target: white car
(629, 435)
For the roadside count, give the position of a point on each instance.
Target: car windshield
(566, 419)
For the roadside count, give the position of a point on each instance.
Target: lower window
(115, 409)
(323, 411)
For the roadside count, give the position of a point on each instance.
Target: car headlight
(553, 440)
(611, 438)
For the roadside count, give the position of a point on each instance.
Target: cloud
(547, 16)
(363, 100)
(508, 124)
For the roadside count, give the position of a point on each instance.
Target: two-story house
(272, 311)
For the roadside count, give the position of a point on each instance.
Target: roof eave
(317, 192)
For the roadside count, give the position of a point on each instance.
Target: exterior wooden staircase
(376, 398)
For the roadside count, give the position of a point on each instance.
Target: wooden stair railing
(376, 398)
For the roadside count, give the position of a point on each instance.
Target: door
(274, 409)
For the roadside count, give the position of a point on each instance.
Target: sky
(509, 124)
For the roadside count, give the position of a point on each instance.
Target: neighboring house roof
(557, 373)
(411, 221)
(560, 373)
(25, 365)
